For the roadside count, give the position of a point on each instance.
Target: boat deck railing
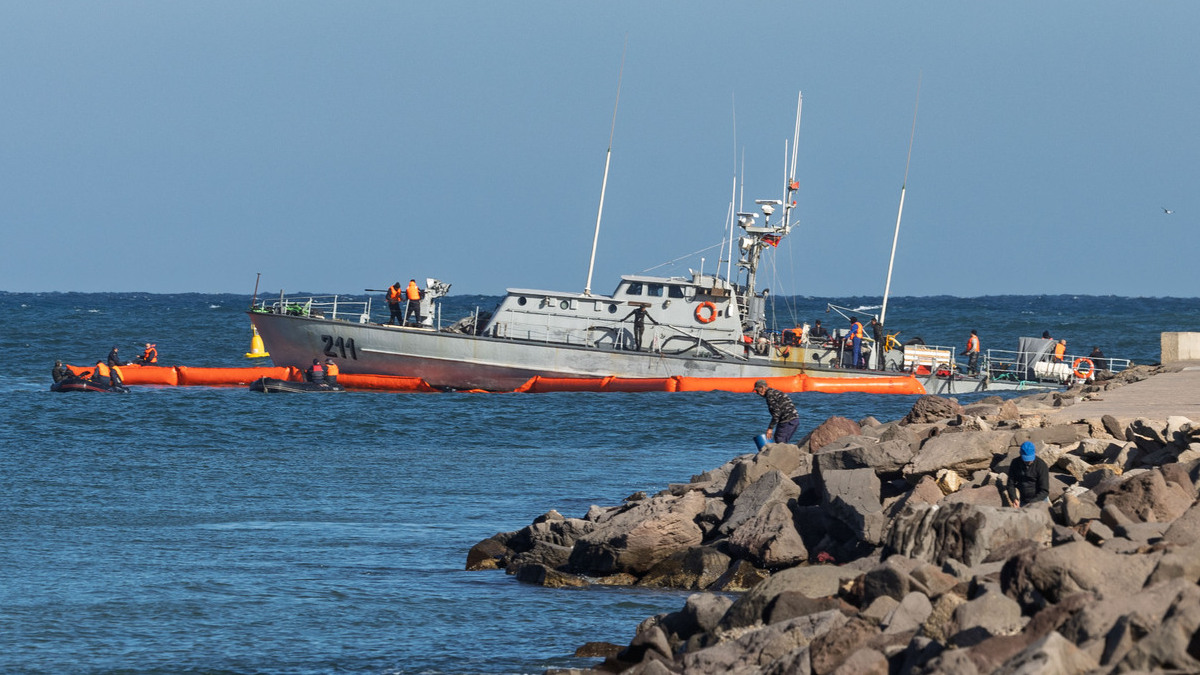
(345, 308)
(1000, 364)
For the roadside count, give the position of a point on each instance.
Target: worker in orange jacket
(972, 353)
(395, 295)
(414, 302)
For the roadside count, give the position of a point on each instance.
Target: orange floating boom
(187, 376)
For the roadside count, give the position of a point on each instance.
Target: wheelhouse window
(654, 290)
(674, 291)
(634, 288)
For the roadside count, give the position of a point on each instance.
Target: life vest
(394, 295)
(331, 370)
(1059, 351)
(973, 343)
(115, 375)
(412, 291)
(316, 373)
(856, 331)
(102, 369)
(150, 355)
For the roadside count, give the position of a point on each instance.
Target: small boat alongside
(269, 385)
(1031, 367)
(74, 383)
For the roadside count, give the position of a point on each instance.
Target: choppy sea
(215, 530)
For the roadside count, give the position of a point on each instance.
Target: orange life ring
(1079, 372)
(708, 317)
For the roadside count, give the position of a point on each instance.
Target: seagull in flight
(1167, 211)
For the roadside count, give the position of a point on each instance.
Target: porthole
(612, 309)
(564, 304)
(521, 301)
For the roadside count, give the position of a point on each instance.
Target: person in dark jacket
(784, 418)
(639, 316)
(59, 372)
(879, 347)
(113, 359)
(1028, 478)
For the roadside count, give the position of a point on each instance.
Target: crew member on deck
(414, 301)
(315, 373)
(1098, 359)
(1060, 350)
(818, 331)
(331, 371)
(880, 345)
(639, 315)
(972, 353)
(394, 296)
(855, 337)
(59, 372)
(149, 355)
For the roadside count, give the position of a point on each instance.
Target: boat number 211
(339, 347)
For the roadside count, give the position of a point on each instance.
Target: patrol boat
(702, 331)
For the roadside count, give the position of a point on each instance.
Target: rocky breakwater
(889, 548)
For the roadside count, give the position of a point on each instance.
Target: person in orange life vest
(1060, 350)
(331, 371)
(315, 372)
(114, 376)
(972, 353)
(394, 296)
(101, 374)
(414, 301)
(855, 337)
(149, 356)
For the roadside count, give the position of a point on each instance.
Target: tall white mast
(887, 286)
(587, 289)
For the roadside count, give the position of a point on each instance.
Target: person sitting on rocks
(1028, 478)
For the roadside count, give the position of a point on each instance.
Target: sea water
(216, 530)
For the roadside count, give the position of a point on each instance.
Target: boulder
(963, 453)
(964, 532)
(741, 576)
(992, 613)
(908, 615)
(772, 487)
(831, 430)
(1148, 497)
(813, 581)
(863, 452)
(1050, 654)
(1049, 575)
(830, 650)
(1169, 646)
(783, 457)
(769, 538)
(751, 650)
(693, 569)
(641, 536)
(853, 497)
(930, 408)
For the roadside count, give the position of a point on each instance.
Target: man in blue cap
(1028, 478)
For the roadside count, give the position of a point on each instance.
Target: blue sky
(176, 147)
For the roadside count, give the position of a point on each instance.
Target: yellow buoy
(256, 345)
